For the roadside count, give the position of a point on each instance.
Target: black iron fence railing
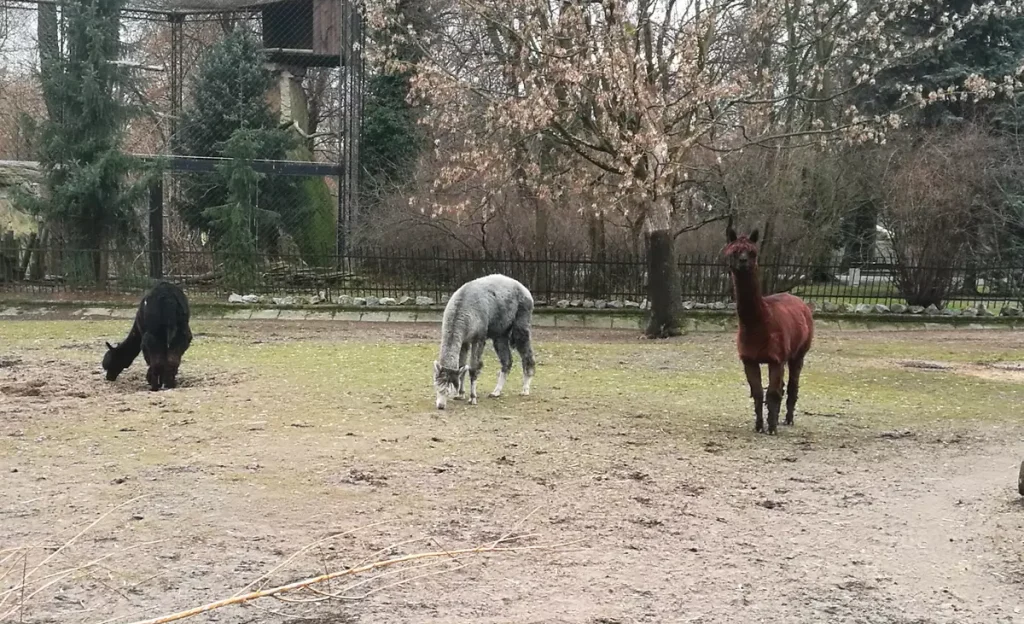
(28, 267)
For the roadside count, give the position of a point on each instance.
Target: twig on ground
(341, 594)
(84, 531)
(304, 583)
(84, 566)
(21, 589)
(298, 552)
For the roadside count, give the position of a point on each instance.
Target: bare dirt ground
(892, 499)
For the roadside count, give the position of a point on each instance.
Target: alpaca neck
(451, 349)
(747, 293)
(132, 342)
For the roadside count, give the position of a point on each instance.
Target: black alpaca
(160, 331)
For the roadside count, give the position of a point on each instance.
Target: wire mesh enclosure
(152, 113)
(224, 154)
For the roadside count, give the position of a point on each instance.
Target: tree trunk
(227, 23)
(662, 274)
(597, 280)
(103, 264)
(47, 31)
(38, 268)
(540, 246)
(33, 241)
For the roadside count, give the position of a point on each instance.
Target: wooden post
(8, 257)
(156, 229)
(37, 269)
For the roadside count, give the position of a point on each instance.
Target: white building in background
(881, 250)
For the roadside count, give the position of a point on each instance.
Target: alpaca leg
(776, 371)
(753, 371)
(153, 377)
(177, 349)
(501, 347)
(525, 348)
(793, 388)
(476, 364)
(463, 356)
(169, 378)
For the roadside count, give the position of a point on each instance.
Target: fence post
(156, 228)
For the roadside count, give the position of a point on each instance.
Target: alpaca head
(112, 363)
(741, 251)
(446, 382)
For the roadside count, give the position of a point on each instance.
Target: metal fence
(310, 85)
(206, 273)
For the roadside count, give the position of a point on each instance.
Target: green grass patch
(316, 388)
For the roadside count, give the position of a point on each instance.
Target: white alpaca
(496, 307)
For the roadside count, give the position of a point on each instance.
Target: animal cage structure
(299, 33)
(302, 32)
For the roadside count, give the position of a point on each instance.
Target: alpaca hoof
(494, 394)
(525, 392)
(472, 401)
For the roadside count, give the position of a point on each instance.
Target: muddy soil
(648, 518)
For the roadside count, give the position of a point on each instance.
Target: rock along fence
(347, 301)
(720, 317)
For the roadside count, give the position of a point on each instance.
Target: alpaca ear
(437, 367)
(109, 346)
(754, 235)
(730, 234)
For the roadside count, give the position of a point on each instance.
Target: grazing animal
(160, 331)
(495, 307)
(776, 330)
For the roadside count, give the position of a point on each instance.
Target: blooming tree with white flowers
(639, 98)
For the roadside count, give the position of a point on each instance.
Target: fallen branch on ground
(21, 590)
(494, 547)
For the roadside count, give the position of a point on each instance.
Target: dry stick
(322, 596)
(325, 577)
(14, 564)
(84, 566)
(304, 549)
(23, 578)
(84, 531)
(371, 592)
(374, 556)
(25, 553)
(512, 531)
(21, 604)
(28, 574)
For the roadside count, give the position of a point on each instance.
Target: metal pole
(350, 120)
(156, 228)
(343, 138)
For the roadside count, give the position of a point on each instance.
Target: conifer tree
(90, 199)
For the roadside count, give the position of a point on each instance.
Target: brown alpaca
(775, 330)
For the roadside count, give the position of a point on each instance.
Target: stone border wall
(694, 320)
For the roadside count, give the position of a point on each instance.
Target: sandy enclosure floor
(892, 500)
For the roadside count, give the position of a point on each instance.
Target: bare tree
(938, 191)
(634, 94)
